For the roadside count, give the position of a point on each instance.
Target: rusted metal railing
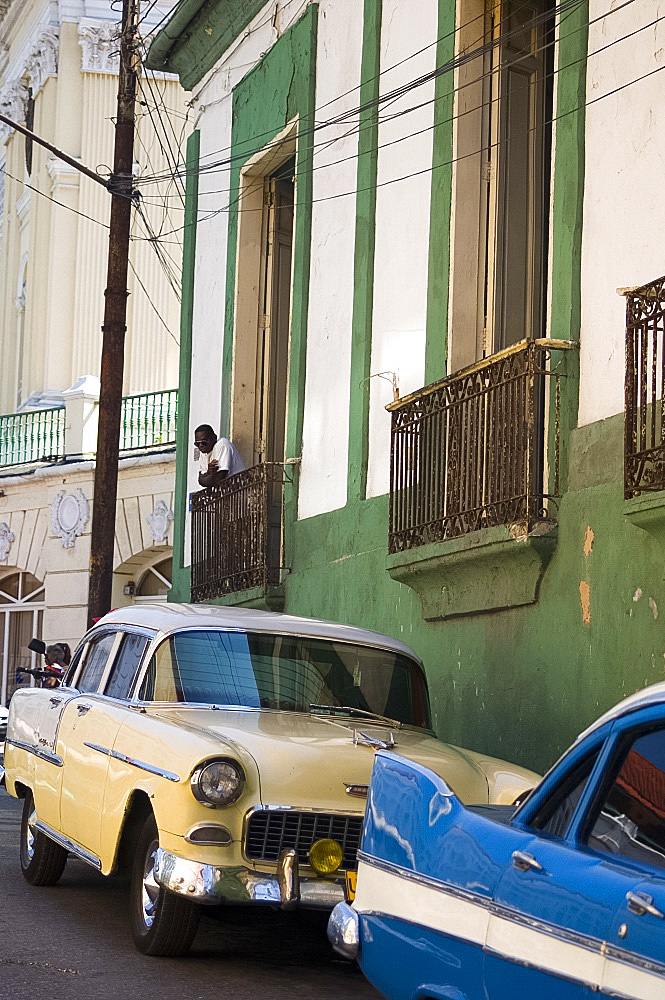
(644, 415)
(468, 452)
(236, 533)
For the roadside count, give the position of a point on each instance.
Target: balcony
(644, 408)
(148, 420)
(236, 536)
(148, 423)
(470, 484)
(32, 436)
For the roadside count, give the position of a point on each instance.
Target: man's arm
(213, 476)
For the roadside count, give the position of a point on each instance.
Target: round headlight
(218, 783)
(325, 856)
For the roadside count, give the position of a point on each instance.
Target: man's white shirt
(226, 455)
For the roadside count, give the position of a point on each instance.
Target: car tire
(162, 923)
(42, 860)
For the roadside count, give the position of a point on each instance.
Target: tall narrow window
(272, 370)
(502, 176)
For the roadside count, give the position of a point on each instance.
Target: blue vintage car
(563, 898)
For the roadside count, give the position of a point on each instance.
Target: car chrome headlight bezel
(198, 781)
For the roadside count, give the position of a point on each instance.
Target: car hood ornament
(373, 741)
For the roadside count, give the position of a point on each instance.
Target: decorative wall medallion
(6, 539)
(159, 521)
(100, 45)
(70, 513)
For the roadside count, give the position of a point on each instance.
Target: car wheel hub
(150, 889)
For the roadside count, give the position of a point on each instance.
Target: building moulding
(647, 511)
(489, 570)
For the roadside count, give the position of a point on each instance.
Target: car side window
(631, 821)
(126, 664)
(555, 815)
(95, 662)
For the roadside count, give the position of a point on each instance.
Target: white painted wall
(212, 105)
(624, 213)
(326, 421)
(402, 222)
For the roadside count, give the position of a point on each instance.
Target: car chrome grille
(271, 831)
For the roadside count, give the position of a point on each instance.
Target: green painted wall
(519, 683)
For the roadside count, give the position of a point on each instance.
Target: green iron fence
(148, 420)
(32, 436)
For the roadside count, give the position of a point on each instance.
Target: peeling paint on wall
(637, 594)
(588, 540)
(654, 608)
(585, 601)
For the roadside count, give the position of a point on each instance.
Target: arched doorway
(21, 611)
(155, 583)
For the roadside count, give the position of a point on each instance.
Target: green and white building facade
(414, 232)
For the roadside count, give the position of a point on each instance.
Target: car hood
(309, 760)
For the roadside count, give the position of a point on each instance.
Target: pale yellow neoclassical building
(58, 75)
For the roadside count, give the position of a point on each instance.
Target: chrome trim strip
(140, 764)
(495, 909)
(426, 880)
(47, 755)
(69, 845)
(626, 957)
(217, 884)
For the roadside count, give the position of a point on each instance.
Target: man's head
(57, 655)
(204, 438)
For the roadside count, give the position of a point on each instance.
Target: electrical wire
(156, 310)
(446, 163)
(55, 201)
(388, 97)
(431, 127)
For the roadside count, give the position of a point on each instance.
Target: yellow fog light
(326, 856)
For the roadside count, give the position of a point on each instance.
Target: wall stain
(585, 601)
(588, 540)
(654, 608)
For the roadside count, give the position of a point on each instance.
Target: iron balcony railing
(32, 436)
(236, 533)
(644, 417)
(148, 420)
(468, 452)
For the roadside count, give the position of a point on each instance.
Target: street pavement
(72, 942)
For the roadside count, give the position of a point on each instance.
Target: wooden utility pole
(114, 328)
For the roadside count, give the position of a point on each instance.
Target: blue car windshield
(258, 670)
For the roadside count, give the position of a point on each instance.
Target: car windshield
(258, 670)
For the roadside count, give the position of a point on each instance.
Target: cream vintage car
(224, 756)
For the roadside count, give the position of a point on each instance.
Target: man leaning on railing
(219, 458)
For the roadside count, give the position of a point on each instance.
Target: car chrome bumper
(214, 884)
(344, 931)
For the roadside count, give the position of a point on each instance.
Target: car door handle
(55, 702)
(82, 709)
(640, 903)
(524, 861)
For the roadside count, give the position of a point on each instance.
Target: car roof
(168, 617)
(652, 695)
